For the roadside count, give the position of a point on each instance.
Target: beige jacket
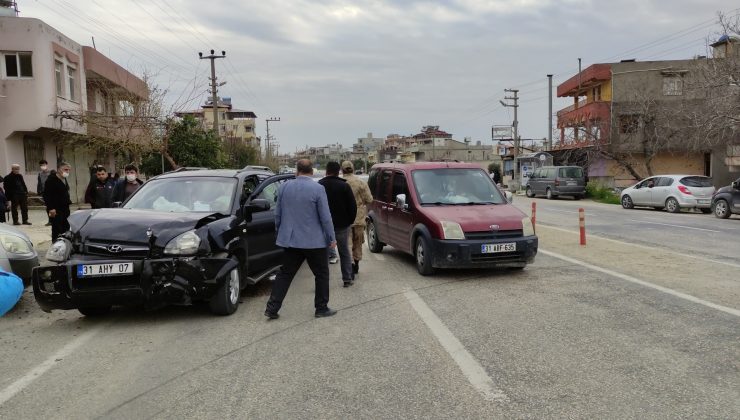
(362, 197)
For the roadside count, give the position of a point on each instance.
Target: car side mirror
(401, 201)
(736, 185)
(116, 204)
(255, 206)
(509, 196)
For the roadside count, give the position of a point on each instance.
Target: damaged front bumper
(153, 282)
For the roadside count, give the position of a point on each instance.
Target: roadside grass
(601, 193)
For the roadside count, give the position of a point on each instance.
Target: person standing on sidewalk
(56, 197)
(17, 192)
(44, 173)
(128, 185)
(343, 210)
(99, 193)
(3, 202)
(304, 231)
(363, 198)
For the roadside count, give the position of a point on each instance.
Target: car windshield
(196, 194)
(571, 172)
(452, 186)
(697, 181)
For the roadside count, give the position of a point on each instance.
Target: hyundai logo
(115, 249)
(494, 227)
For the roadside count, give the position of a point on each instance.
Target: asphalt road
(572, 336)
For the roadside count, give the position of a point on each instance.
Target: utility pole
(267, 140)
(214, 87)
(549, 113)
(515, 125)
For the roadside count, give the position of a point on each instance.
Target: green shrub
(601, 193)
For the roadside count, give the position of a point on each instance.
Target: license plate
(571, 183)
(702, 201)
(493, 248)
(97, 270)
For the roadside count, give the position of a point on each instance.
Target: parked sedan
(670, 192)
(17, 255)
(726, 200)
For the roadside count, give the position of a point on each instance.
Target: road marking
(473, 371)
(19, 385)
(678, 226)
(652, 248)
(625, 277)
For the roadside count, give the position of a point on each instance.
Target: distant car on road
(670, 192)
(17, 254)
(554, 181)
(726, 200)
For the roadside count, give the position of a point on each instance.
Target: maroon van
(447, 215)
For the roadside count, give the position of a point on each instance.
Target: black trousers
(19, 200)
(59, 225)
(318, 262)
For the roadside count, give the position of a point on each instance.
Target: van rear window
(571, 173)
(696, 181)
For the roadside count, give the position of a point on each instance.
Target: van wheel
(423, 256)
(672, 206)
(549, 195)
(372, 238)
(226, 299)
(94, 311)
(529, 192)
(721, 209)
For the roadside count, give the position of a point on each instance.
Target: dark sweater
(56, 195)
(342, 203)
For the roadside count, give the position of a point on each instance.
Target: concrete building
(613, 105)
(53, 93)
(234, 124)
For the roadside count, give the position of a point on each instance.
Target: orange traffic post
(534, 216)
(582, 224)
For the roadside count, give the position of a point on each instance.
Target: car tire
(549, 195)
(529, 192)
(672, 206)
(423, 256)
(705, 211)
(93, 311)
(721, 209)
(373, 243)
(226, 299)
(627, 202)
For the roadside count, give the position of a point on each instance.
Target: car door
(400, 219)
(263, 253)
(384, 201)
(661, 191)
(735, 197)
(641, 194)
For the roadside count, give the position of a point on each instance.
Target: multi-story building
(233, 124)
(631, 118)
(60, 100)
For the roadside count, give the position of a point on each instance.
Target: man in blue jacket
(304, 231)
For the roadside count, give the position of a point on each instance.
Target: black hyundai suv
(726, 200)
(183, 236)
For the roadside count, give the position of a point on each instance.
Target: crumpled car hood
(131, 226)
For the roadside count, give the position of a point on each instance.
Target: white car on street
(670, 192)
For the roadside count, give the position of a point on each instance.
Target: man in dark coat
(43, 175)
(3, 202)
(56, 197)
(127, 185)
(99, 193)
(343, 208)
(17, 193)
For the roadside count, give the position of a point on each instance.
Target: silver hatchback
(671, 192)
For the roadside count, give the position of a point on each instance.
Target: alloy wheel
(720, 209)
(420, 253)
(234, 286)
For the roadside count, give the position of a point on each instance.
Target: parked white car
(17, 254)
(671, 192)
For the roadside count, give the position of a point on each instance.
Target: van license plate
(85, 270)
(571, 183)
(493, 248)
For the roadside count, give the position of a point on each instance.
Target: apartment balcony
(591, 76)
(584, 113)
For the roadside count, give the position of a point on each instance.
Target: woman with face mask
(56, 197)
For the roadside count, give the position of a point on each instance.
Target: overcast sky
(335, 70)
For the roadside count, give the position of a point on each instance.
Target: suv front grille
(109, 250)
(490, 235)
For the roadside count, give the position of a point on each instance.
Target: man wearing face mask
(125, 187)
(99, 192)
(17, 193)
(56, 197)
(44, 173)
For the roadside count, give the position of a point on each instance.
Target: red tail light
(684, 190)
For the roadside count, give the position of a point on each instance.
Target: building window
(58, 74)
(33, 150)
(628, 124)
(17, 65)
(596, 92)
(125, 109)
(71, 76)
(672, 86)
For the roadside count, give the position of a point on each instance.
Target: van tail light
(684, 190)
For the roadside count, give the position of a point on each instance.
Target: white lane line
(473, 371)
(625, 277)
(652, 248)
(678, 226)
(20, 384)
